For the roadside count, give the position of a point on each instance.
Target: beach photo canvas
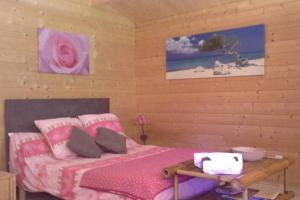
(234, 52)
(64, 53)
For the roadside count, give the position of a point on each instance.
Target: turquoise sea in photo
(207, 61)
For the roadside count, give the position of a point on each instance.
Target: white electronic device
(219, 163)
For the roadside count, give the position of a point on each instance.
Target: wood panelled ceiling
(145, 10)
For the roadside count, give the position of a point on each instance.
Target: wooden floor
(263, 185)
(268, 186)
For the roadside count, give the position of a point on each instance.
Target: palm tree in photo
(218, 42)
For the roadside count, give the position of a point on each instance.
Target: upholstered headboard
(20, 113)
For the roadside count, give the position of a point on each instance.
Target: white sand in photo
(200, 72)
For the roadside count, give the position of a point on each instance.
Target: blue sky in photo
(251, 39)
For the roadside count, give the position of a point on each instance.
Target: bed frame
(20, 114)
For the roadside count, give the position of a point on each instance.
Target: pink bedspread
(37, 170)
(143, 177)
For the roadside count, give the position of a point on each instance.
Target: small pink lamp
(142, 120)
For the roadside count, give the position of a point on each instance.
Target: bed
(45, 174)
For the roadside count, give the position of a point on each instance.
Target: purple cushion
(111, 141)
(83, 144)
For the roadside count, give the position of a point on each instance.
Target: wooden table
(253, 172)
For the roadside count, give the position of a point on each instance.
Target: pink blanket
(37, 170)
(138, 177)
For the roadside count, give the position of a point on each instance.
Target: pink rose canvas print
(63, 53)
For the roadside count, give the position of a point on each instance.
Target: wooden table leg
(284, 181)
(176, 187)
(245, 194)
(22, 194)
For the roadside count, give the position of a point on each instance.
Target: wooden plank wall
(218, 113)
(111, 37)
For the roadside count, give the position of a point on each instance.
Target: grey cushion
(83, 144)
(111, 141)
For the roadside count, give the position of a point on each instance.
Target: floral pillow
(57, 133)
(107, 120)
(29, 143)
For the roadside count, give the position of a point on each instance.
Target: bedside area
(253, 172)
(7, 186)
